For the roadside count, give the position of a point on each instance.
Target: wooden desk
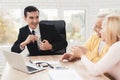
(12, 74)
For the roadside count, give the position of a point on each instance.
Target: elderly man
(94, 48)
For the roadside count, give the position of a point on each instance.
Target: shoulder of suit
(24, 27)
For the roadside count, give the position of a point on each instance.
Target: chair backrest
(59, 25)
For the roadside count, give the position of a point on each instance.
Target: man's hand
(45, 45)
(29, 39)
(69, 57)
(77, 52)
(83, 49)
(66, 56)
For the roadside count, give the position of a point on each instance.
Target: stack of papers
(64, 75)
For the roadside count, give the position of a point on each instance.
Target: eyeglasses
(42, 64)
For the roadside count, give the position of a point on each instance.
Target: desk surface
(12, 74)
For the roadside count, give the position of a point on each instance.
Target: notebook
(16, 61)
(64, 75)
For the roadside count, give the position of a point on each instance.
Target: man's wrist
(22, 45)
(51, 48)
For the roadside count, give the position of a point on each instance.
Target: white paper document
(64, 75)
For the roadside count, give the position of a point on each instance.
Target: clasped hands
(75, 53)
(43, 45)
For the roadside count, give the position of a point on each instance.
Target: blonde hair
(112, 29)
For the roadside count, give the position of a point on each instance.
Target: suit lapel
(42, 32)
(28, 30)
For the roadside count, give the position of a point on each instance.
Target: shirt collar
(36, 29)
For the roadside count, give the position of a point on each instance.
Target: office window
(48, 14)
(10, 21)
(75, 25)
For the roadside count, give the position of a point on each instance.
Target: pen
(50, 66)
(30, 61)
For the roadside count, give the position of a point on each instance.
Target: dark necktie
(36, 43)
(33, 32)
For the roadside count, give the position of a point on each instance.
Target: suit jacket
(47, 32)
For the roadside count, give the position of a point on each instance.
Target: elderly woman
(110, 62)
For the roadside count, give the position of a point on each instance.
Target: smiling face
(98, 26)
(110, 32)
(32, 18)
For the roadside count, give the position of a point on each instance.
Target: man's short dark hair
(29, 9)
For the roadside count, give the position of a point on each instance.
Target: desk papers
(64, 75)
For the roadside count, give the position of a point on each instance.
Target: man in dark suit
(40, 39)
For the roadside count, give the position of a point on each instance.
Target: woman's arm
(104, 64)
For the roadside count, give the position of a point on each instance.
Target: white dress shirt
(37, 32)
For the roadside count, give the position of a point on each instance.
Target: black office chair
(60, 27)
